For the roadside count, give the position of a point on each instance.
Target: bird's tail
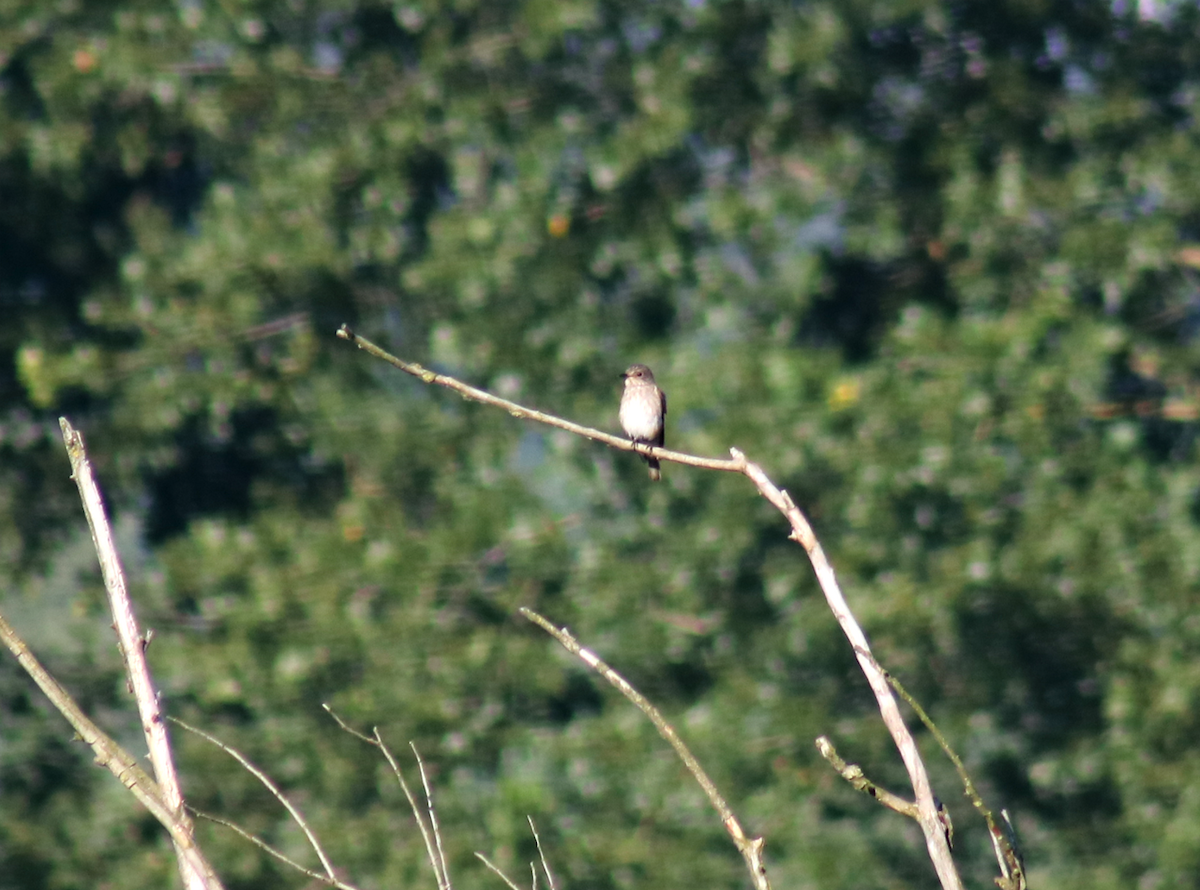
(655, 472)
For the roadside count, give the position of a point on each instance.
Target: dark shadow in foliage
(729, 95)
(376, 30)
(1168, 440)
(827, 670)
(176, 180)
(39, 766)
(430, 188)
(481, 610)
(664, 181)
(211, 478)
(933, 513)
(23, 870)
(32, 471)
(1155, 303)
(214, 475)
(54, 249)
(688, 681)
(328, 300)
(863, 298)
(853, 313)
(18, 89)
(1093, 801)
(34, 771)
(1036, 660)
(654, 313)
(578, 698)
(60, 240)
(1138, 395)
(1194, 509)
(749, 608)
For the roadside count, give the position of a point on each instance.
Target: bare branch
(533, 882)
(931, 825)
(750, 848)
(928, 817)
(196, 872)
(853, 774)
(542, 855)
(502, 875)
(346, 727)
(108, 753)
(1011, 865)
(443, 871)
(114, 758)
(278, 854)
(520, 411)
(429, 834)
(270, 786)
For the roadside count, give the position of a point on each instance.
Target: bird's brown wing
(662, 430)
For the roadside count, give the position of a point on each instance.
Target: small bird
(643, 411)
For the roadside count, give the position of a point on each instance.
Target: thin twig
(931, 825)
(1007, 855)
(431, 844)
(853, 774)
(542, 855)
(444, 871)
(443, 879)
(494, 868)
(1011, 862)
(346, 727)
(108, 753)
(267, 848)
(750, 848)
(196, 872)
(270, 786)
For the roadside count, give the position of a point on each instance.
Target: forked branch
(160, 794)
(926, 808)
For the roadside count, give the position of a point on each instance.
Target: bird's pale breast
(640, 414)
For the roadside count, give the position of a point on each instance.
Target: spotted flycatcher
(643, 410)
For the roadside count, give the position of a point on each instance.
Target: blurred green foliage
(933, 265)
